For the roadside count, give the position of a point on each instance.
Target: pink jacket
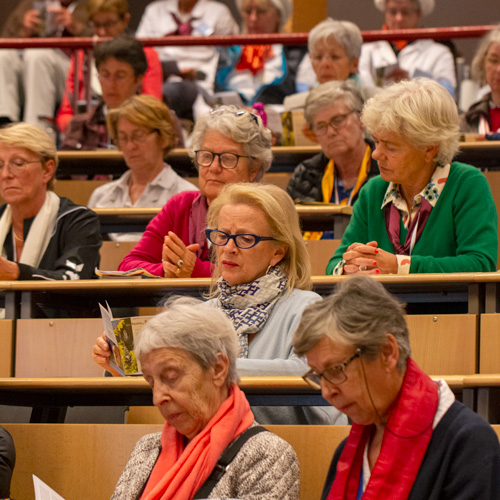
(177, 215)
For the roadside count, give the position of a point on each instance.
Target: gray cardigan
(265, 468)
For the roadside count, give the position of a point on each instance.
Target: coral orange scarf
(254, 57)
(399, 460)
(181, 470)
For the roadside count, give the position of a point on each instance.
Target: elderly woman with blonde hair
(210, 446)
(42, 236)
(425, 213)
(143, 129)
(262, 283)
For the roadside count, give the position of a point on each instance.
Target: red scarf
(253, 58)
(399, 44)
(181, 470)
(393, 226)
(399, 460)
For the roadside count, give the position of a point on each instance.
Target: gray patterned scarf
(249, 305)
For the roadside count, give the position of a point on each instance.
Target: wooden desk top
(158, 283)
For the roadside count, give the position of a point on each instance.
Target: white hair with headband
(426, 6)
(283, 6)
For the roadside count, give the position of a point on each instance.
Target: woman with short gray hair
(357, 346)
(483, 116)
(334, 50)
(337, 173)
(188, 357)
(425, 213)
(229, 145)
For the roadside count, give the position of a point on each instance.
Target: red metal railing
(285, 39)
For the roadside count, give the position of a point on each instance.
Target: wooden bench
(82, 461)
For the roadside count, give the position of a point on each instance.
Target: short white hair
(420, 110)
(345, 33)
(193, 326)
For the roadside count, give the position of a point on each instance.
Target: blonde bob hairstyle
(34, 139)
(147, 112)
(479, 61)
(281, 215)
(241, 127)
(120, 7)
(420, 110)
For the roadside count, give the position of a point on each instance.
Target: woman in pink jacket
(228, 145)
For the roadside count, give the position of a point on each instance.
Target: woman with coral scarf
(188, 356)
(410, 439)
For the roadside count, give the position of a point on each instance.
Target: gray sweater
(271, 354)
(265, 468)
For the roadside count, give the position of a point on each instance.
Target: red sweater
(174, 216)
(152, 84)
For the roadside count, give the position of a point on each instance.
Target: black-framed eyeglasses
(335, 122)
(333, 374)
(243, 241)
(228, 161)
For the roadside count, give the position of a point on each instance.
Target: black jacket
(7, 462)
(469, 122)
(73, 250)
(305, 183)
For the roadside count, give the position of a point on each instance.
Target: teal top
(460, 235)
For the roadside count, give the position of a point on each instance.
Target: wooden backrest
(57, 347)
(493, 177)
(113, 252)
(77, 191)
(82, 461)
(446, 344)
(320, 252)
(6, 344)
(489, 352)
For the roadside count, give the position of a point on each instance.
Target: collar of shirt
(431, 193)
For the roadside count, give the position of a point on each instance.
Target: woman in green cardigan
(423, 214)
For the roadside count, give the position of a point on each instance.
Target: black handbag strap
(225, 459)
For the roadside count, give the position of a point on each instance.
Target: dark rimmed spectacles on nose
(333, 374)
(335, 122)
(243, 241)
(226, 160)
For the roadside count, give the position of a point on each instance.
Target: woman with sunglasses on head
(410, 439)
(228, 145)
(143, 129)
(262, 282)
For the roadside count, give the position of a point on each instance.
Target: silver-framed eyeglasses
(137, 137)
(243, 241)
(205, 158)
(336, 122)
(333, 374)
(17, 166)
(236, 113)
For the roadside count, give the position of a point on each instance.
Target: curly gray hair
(242, 127)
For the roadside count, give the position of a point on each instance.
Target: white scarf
(40, 231)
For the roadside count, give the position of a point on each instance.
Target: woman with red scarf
(425, 213)
(188, 357)
(409, 439)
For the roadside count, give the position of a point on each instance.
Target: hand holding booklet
(121, 335)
